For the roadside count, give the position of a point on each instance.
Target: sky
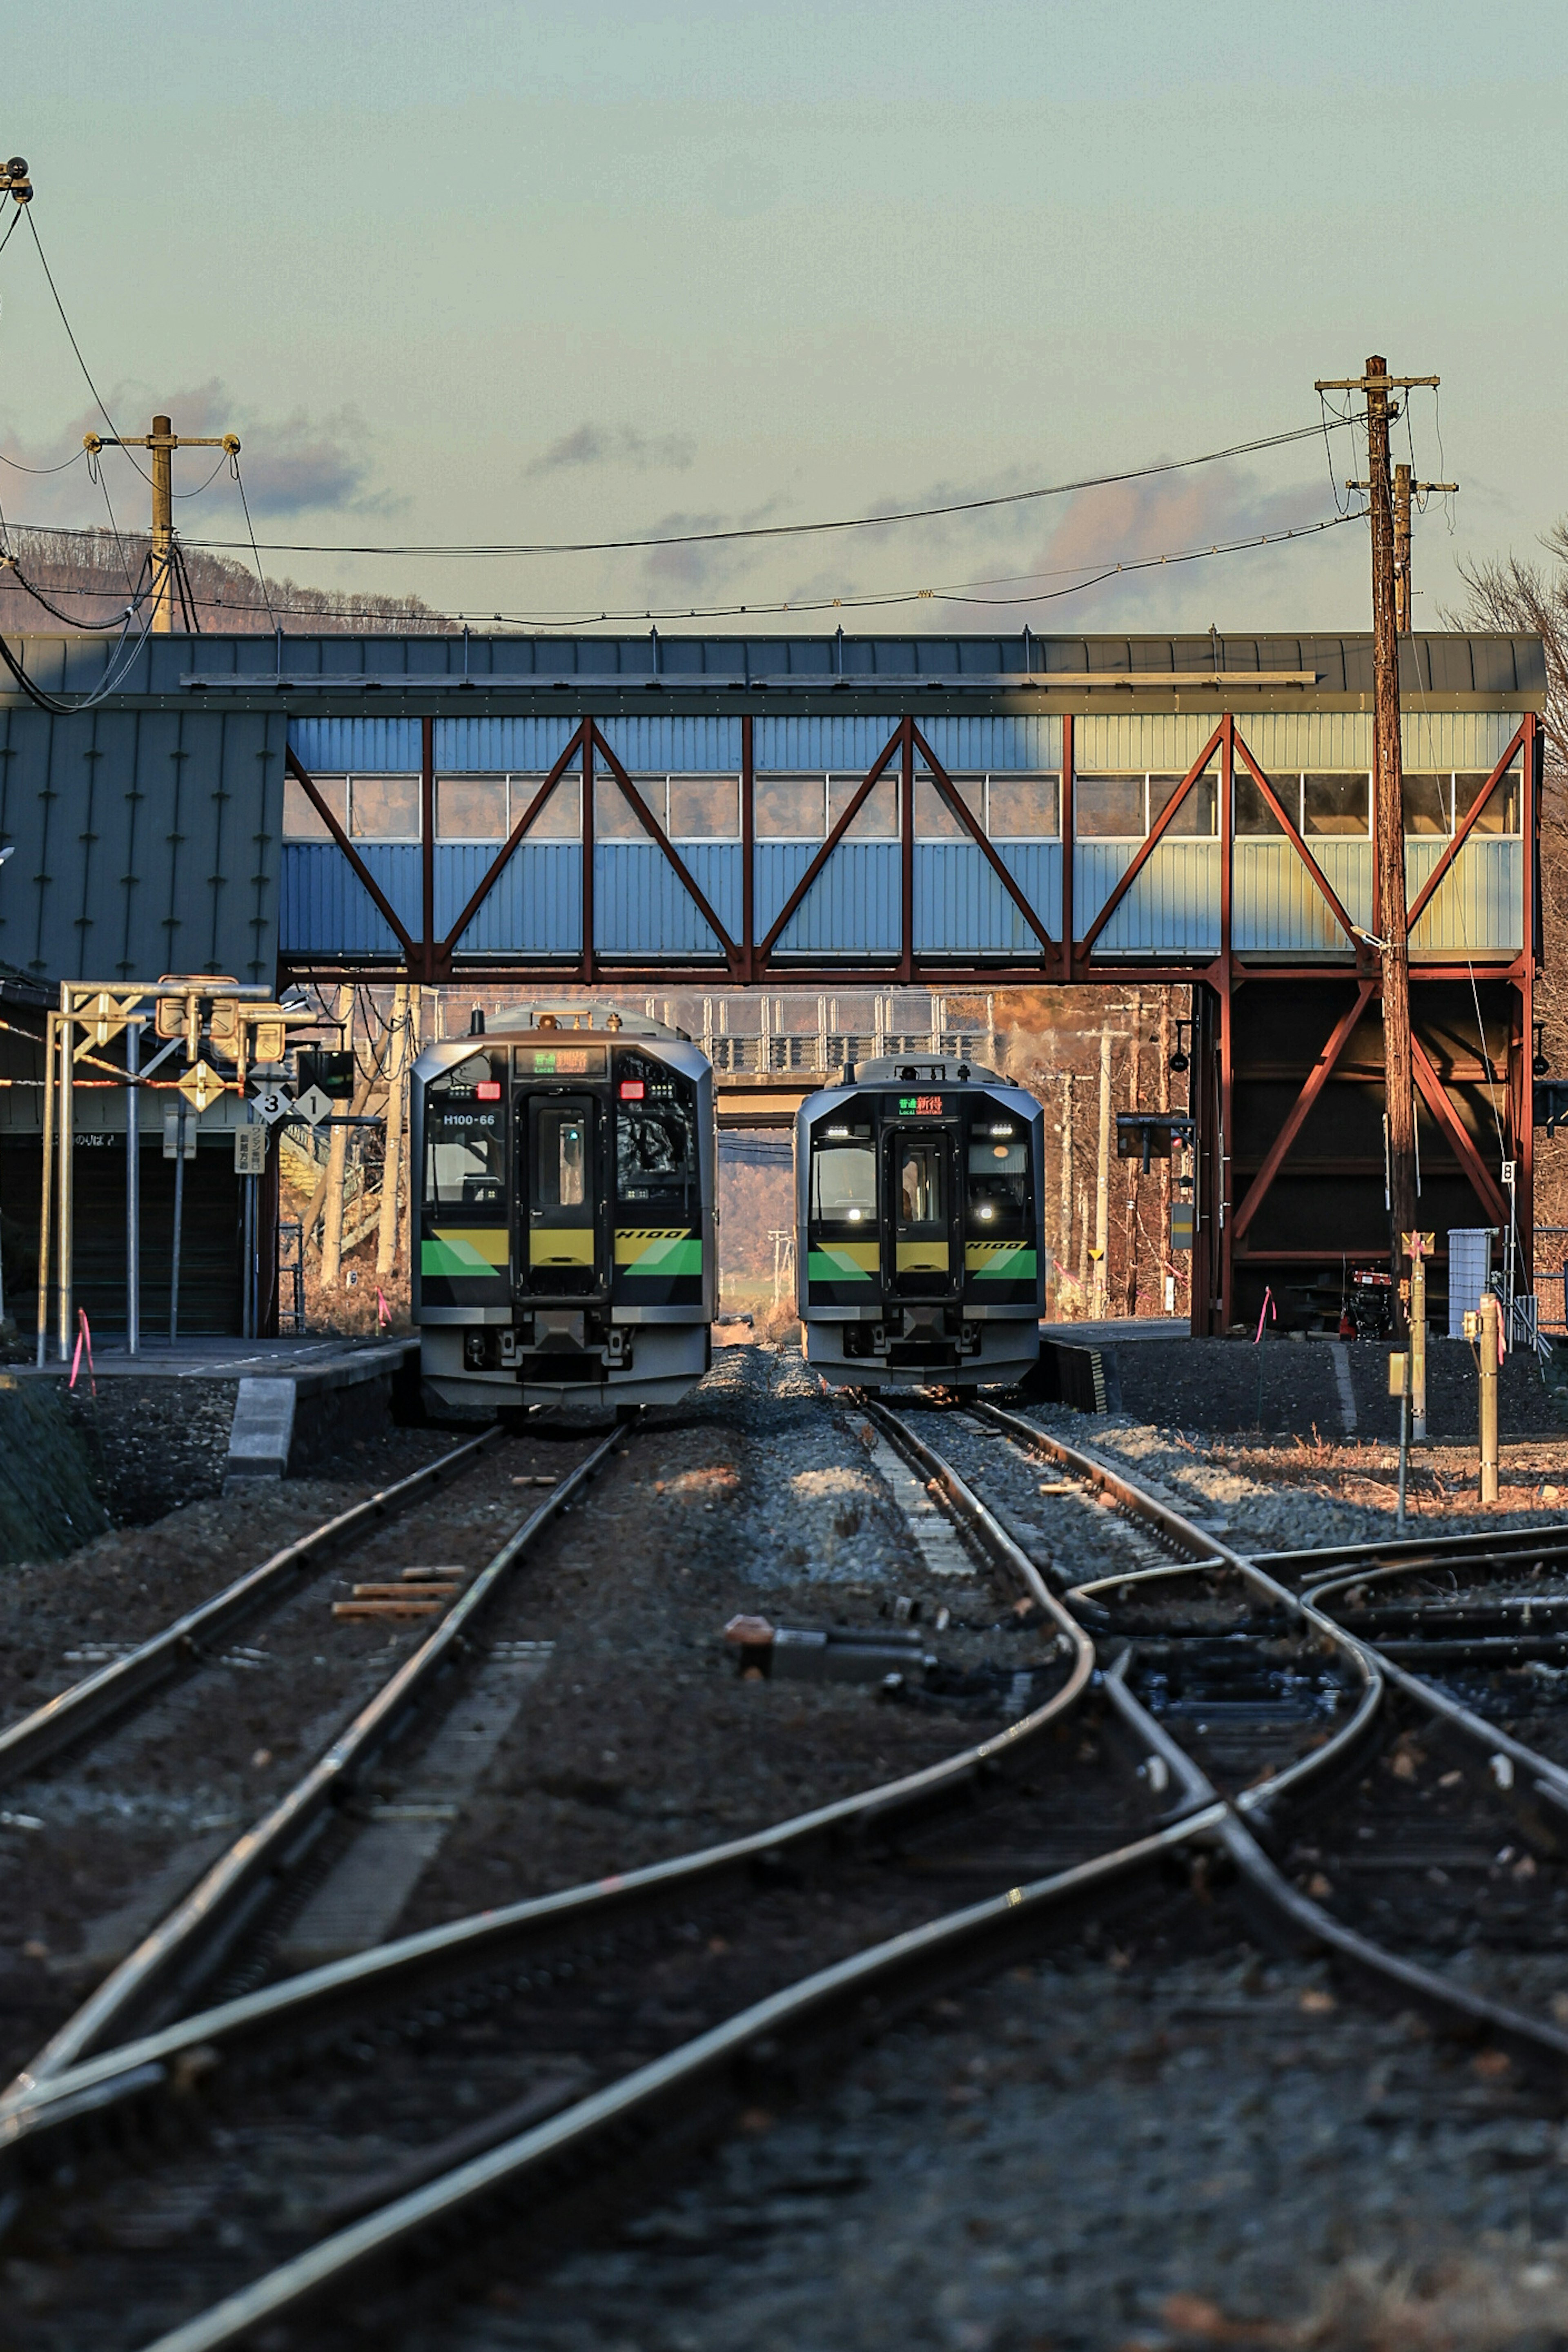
(499, 273)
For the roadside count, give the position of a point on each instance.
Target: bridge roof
(1455, 670)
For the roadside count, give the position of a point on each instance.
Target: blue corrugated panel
(962, 909)
(364, 747)
(977, 744)
(534, 908)
(792, 745)
(1479, 905)
(1278, 905)
(528, 747)
(327, 909)
(696, 745)
(1173, 908)
(642, 908)
(852, 908)
(146, 842)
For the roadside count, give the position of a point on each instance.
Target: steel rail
(107, 1695)
(1276, 1904)
(1535, 1789)
(320, 2004)
(1551, 1540)
(182, 1951)
(701, 2083)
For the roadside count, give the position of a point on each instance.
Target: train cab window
(465, 1140)
(844, 1177)
(561, 1157)
(997, 1183)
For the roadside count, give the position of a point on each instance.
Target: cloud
(616, 445)
(297, 465)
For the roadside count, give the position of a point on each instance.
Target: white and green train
(566, 1252)
(920, 1226)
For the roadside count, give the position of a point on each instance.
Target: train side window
(922, 1191)
(561, 1157)
(843, 1182)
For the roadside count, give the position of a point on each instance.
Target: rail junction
(1112, 1720)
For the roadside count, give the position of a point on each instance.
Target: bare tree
(66, 579)
(1518, 597)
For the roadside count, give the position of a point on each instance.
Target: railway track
(228, 1920)
(1238, 1703)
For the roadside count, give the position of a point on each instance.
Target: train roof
(615, 1020)
(919, 1069)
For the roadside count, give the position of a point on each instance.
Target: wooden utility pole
(398, 1058)
(160, 445)
(1404, 491)
(1391, 912)
(337, 1164)
(1134, 1090)
(1064, 1257)
(1102, 1177)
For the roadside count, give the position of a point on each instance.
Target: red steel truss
(1226, 1250)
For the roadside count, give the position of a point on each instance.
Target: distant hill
(85, 577)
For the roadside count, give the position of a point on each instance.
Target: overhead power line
(469, 550)
(956, 593)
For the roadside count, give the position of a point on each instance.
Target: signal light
(632, 1089)
(488, 1090)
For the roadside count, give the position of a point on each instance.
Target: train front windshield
(844, 1179)
(996, 1202)
(655, 1161)
(465, 1140)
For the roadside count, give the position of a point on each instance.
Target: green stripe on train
(835, 1265)
(999, 1262)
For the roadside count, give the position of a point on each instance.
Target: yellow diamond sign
(103, 1017)
(200, 1085)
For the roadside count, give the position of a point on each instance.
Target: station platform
(325, 1362)
(247, 1393)
(1117, 1331)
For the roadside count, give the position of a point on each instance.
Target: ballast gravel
(1110, 2151)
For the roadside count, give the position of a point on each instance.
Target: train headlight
(855, 1216)
(988, 1211)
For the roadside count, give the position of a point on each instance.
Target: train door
(924, 1255)
(562, 1205)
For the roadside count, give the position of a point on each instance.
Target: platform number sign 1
(250, 1151)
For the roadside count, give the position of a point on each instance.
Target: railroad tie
(417, 1593)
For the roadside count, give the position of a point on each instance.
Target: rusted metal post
(748, 848)
(587, 833)
(64, 1303)
(1068, 913)
(429, 951)
(1490, 1342)
(46, 1200)
(907, 846)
